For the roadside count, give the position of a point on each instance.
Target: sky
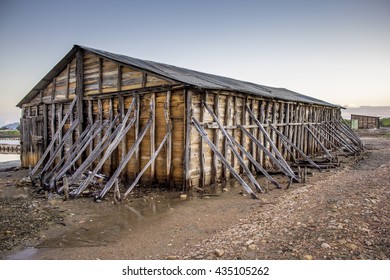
(337, 51)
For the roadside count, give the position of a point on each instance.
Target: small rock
(98, 201)
(342, 241)
(206, 197)
(172, 257)
(340, 226)
(307, 257)
(252, 247)
(169, 245)
(325, 245)
(352, 246)
(219, 252)
(249, 242)
(368, 243)
(225, 190)
(183, 196)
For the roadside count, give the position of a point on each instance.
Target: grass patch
(9, 133)
(385, 122)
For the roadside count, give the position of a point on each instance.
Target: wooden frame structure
(102, 116)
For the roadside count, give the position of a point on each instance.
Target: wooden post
(52, 126)
(243, 122)
(153, 136)
(187, 152)
(60, 108)
(45, 126)
(121, 105)
(214, 174)
(136, 131)
(252, 148)
(167, 113)
(225, 173)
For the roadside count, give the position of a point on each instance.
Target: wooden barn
(104, 117)
(364, 122)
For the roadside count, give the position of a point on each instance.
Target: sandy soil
(342, 213)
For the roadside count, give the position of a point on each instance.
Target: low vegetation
(9, 133)
(385, 122)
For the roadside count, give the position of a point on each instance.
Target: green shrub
(385, 122)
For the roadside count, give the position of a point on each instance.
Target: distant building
(364, 122)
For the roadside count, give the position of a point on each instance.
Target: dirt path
(341, 214)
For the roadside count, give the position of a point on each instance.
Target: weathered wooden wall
(108, 90)
(289, 118)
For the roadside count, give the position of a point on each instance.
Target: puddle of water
(25, 254)
(104, 223)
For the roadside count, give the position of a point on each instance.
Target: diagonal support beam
(287, 141)
(204, 136)
(153, 158)
(274, 148)
(329, 155)
(54, 139)
(232, 147)
(128, 156)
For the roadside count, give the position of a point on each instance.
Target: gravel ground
(343, 213)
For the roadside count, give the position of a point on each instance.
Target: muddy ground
(342, 213)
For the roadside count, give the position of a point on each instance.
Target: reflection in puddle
(24, 254)
(103, 224)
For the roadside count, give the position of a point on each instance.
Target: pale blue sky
(338, 51)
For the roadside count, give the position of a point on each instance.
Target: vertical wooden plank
(235, 130)
(252, 148)
(201, 148)
(168, 120)
(40, 96)
(100, 74)
(281, 129)
(119, 78)
(153, 136)
(136, 132)
(214, 175)
(113, 159)
(60, 112)
(80, 88)
(266, 120)
(53, 91)
(144, 79)
(243, 122)
(121, 102)
(187, 152)
(286, 129)
(259, 134)
(272, 134)
(71, 117)
(45, 126)
(100, 116)
(67, 81)
(90, 122)
(225, 173)
(52, 125)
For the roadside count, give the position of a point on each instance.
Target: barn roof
(183, 75)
